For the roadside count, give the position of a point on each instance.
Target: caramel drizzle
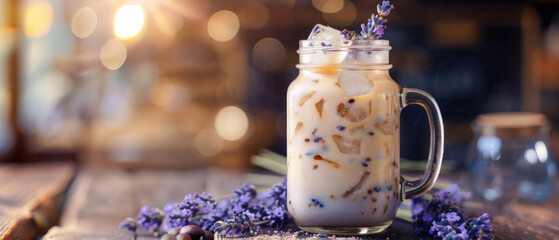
(358, 185)
(342, 110)
(319, 106)
(332, 163)
(306, 97)
(299, 125)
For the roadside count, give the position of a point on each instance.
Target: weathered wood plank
(31, 196)
(101, 198)
(24, 186)
(57, 233)
(16, 224)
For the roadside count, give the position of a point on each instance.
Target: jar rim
(367, 45)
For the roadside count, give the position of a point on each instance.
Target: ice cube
(323, 36)
(353, 114)
(347, 146)
(385, 125)
(356, 114)
(355, 83)
(374, 55)
(329, 34)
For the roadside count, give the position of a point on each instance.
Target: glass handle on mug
(414, 188)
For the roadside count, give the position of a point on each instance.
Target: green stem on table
(269, 163)
(260, 222)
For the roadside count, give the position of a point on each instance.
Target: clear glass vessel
(510, 159)
(343, 139)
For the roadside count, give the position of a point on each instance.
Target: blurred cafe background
(185, 83)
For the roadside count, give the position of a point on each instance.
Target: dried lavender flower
(128, 224)
(277, 215)
(348, 35)
(442, 217)
(150, 218)
(384, 8)
(278, 192)
(374, 28)
(480, 228)
(202, 210)
(239, 225)
(244, 196)
(193, 205)
(371, 30)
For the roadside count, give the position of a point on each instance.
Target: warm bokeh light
(129, 20)
(169, 22)
(113, 54)
(223, 26)
(231, 123)
(254, 15)
(38, 19)
(288, 4)
(208, 143)
(172, 97)
(342, 18)
(192, 9)
(268, 54)
(328, 6)
(84, 22)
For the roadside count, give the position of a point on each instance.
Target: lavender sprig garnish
(348, 35)
(374, 29)
(443, 217)
(384, 8)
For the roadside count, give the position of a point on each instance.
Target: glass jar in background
(510, 158)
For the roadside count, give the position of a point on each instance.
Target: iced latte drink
(343, 138)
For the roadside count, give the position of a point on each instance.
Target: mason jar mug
(343, 138)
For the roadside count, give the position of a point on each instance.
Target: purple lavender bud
(278, 216)
(128, 224)
(377, 20)
(480, 228)
(427, 217)
(348, 35)
(239, 225)
(150, 218)
(364, 30)
(452, 217)
(384, 8)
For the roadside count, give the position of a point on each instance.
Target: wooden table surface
(99, 199)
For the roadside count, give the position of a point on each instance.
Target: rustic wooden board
(31, 196)
(16, 224)
(103, 197)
